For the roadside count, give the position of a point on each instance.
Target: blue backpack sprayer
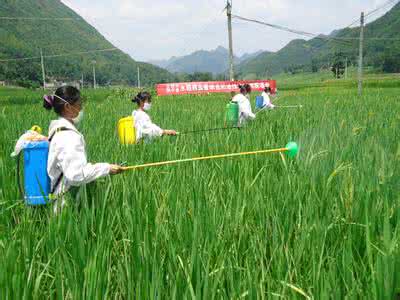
(259, 102)
(36, 181)
(37, 189)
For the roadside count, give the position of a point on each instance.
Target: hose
(21, 191)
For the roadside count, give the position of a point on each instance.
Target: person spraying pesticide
(264, 101)
(67, 164)
(144, 127)
(242, 99)
(266, 95)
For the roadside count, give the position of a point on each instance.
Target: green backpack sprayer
(232, 115)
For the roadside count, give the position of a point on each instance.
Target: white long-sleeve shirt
(67, 156)
(145, 128)
(245, 112)
(267, 101)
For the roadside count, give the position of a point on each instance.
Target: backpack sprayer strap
(59, 179)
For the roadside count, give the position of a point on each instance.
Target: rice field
(325, 225)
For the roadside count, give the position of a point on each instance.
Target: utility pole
(94, 74)
(138, 77)
(229, 14)
(360, 62)
(43, 70)
(82, 83)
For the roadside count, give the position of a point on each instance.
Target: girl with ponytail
(67, 165)
(145, 128)
(242, 99)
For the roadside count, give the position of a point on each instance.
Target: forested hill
(25, 37)
(382, 49)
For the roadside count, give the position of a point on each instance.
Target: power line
(372, 12)
(371, 38)
(383, 6)
(59, 55)
(274, 26)
(357, 21)
(295, 31)
(202, 29)
(308, 34)
(37, 19)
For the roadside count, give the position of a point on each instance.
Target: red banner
(207, 87)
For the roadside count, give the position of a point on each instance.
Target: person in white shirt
(242, 99)
(67, 162)
(145, 128)
(267, 103)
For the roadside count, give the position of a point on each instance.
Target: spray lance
(280, 106)
(291, 149)
(209, 130)
(231, 121)
(289, 106)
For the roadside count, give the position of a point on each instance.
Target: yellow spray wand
(292, 149)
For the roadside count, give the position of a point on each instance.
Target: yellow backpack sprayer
(126, 131)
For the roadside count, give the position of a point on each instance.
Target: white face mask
(147, 106)
(78, 118)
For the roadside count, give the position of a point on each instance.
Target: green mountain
(382, 50)
(24, 38)
(214, 61)
(247, 56)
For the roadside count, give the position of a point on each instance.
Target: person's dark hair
(245, 88)
(141, 97)
(267, 89)
(62, 96)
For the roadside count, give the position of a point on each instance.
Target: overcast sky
(159, 29)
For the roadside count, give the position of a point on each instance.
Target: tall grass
(323, 226)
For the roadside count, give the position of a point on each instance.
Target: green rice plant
(323, 226)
